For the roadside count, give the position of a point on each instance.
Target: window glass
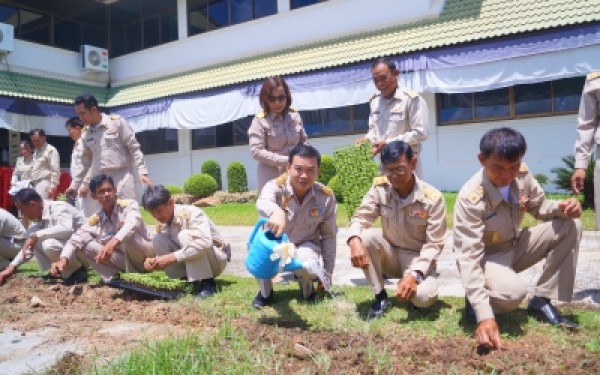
(240, 130)
(337, 121)
(64, 146)
(9, 15)
(67, 34)
(313, 124)
(361, 117)
(294, 4)
(168, 27)
(264, 8)
(158, 141)
(225, 134)
(197, 17)
(204, 138)
(241, 10)
(567, 94)
(217, 14)
(151, 32)
(455, 107)
(133, 37)
(491, 104)
(94, 37)
(35, 27)
(534, 98)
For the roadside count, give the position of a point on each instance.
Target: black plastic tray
(160, 294)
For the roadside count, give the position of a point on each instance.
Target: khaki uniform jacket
(272, 137)
(403, 118)
(124, 223)
(22, 170)
(193, 220)
(46, 165)
(587, 121)
(486, 223)
(10, 226)
(108, 146)
(417, 223)
(312, 221)
(76, 165)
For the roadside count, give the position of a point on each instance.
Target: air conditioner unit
(94, 59)
(7, 38)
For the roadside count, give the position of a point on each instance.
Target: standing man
(188, 244)
(12, 236)
(588, 137)
(306, 211)
(54, 222)
(397, 113)
(413, 225)
(45, 170)
(491, 248)
(110, 148)
(113, 240)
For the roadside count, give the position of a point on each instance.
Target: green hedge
(200, 185)
(174, 189)
(212, 168)
(327, 170)
(237, 180)
(335, 184)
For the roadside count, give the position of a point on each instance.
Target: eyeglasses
(395, 171)
(280, 98)
(381, 78)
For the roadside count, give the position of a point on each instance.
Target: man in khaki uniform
(12, 236)
(110, 147)
(306, 211)
(114, 239)
(588, 137)
(54, 223)
(491, 248)
(413, 225)
(45, 169)
(187, 243)
(397, 113)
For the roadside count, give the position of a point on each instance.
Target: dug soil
(105, 323)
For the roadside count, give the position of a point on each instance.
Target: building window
(158, 141)
(233, 133)
(336, 121)
(295, 4)
(204, 138)
(537, 99)
(207, 15)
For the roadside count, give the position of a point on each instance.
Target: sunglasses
(395, 171)
(280, 98)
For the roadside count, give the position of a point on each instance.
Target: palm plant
(563, 178)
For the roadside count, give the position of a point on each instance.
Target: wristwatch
(418, 276)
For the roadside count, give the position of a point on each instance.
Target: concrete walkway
(587, 281)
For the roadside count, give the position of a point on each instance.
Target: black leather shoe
(378, 309)
(469, 313)
(259, 301)
(206, 288)
(77, 277)
(311, 298)
(543, 310)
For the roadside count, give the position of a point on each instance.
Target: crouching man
(53, 223)
(187, 243)
(413, 225)
(12, 236)
(114, 239)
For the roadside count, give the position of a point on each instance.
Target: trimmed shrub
(563, 178)
(212, 168)
(200, 185)
(174, 189)
(237, 180)
(327, 170)
(335, 184)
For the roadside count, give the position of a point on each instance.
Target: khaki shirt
(313, 220)
(124, 223)
(108, 146)
(486, 223)
(272, 137)
(404, 117)
(22, 170)
(587, 121)
(46, 165)
(416, 223)
(10, 226)
(195, 222)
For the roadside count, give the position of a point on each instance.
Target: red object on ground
(63, 183)
(5, 176)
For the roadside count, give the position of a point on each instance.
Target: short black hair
(505, 142)
(25, 196)
(389, 63)
(75, 122)
(155, 196)
(28, 143)
(37, 131)
(97, 180)
(394, 150)
(88, 100)
(305, 151)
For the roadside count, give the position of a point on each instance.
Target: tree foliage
(327, 169)
(200, 185)
(563, 178)
(212, 168)
(237, 180)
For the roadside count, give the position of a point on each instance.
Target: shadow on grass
(510, 324)
(286, 316)
(428, 314)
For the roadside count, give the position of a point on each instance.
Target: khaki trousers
(42, 187)
(9, 249)
(48, 251)
(124, 182)
(597, 189)
(394, 262)
(209, 263)
(556, 241)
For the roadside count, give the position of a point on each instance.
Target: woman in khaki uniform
(275, 130)
(24, 163)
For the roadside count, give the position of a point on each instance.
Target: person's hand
(488, 334)
(107, 251)
(377, 147)
(160, 262)
(30, 242)
(570, 207)
(407, 288)
(57, 268)
(7, 273)
(577, 180)
(150, 264)
(358, 141)
(145, 180)
(358, 253)
(83, 192)
(71, 191)
(276, 223)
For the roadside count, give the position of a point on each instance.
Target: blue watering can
(262, 262)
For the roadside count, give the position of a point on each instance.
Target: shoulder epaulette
(593, 75)
(523, 168)
(85, 128)
(261, 114)
(123, 202)
(374, 96)
(476, 195)
(432, 193)
(326, 190)
(184, 214)
(115, 117)
(159, 227)
(411, 93)
(292, 109)
(93, 220)
(380, 180)
(281, 179)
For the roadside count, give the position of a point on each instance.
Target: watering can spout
(293, 265)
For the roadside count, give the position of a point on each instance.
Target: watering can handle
(259, 224)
